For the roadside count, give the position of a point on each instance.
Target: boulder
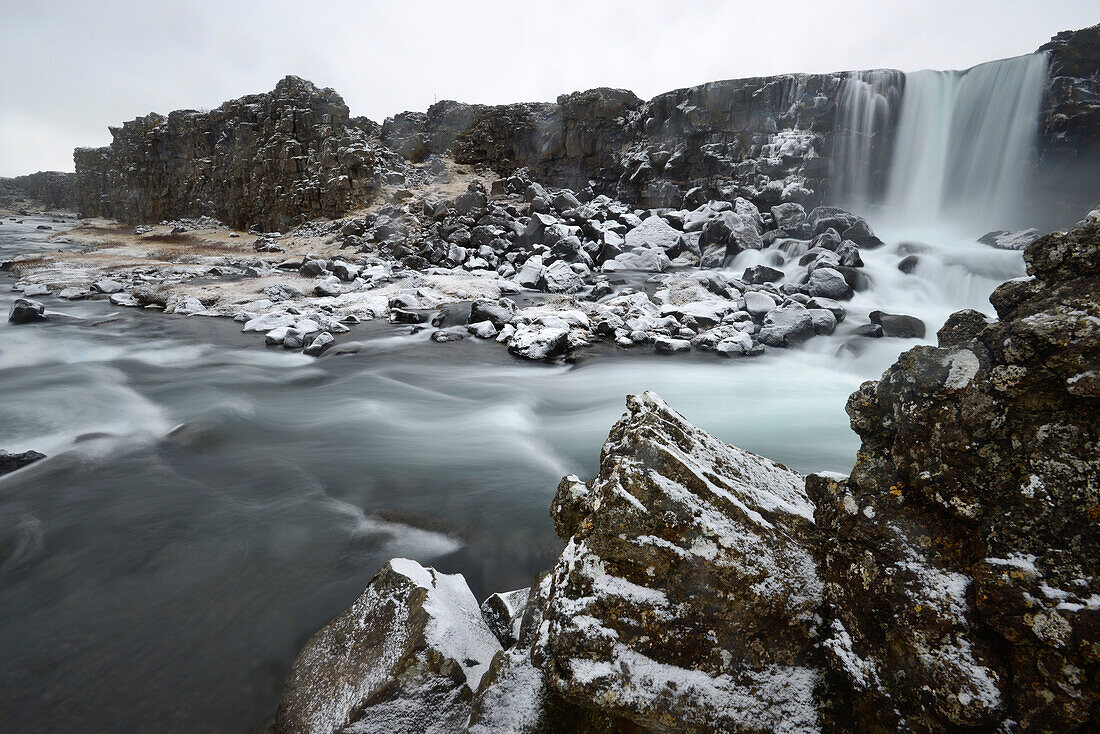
(530, 273)
(824, 320)
(899, 325)
(106, 286)
(406, 656)
(829, 283)
(26, 311)
(14, 462)
(503, 613)
(282, 292)
(759, 304)
(538, 342)
(320, 343)
(789, 217)
(1004, 240)
(760, 274)
(653, 232)
(668, 345)
(560, 277)
(908, 264)
(498, 313)
(787, 326)
(650, 260)
(685, 598)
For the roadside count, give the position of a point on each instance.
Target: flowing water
(208, 502)
(866, 111)
(965, 146)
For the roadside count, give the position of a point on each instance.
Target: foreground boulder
(686, 595)
(26, 311)
(407, 656)
(961, 558)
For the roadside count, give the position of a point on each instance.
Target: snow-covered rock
(829, 283)
(538, 342)
(681, 557)
(787, 326)
(653, 233)
(406, 656)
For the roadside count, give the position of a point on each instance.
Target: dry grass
(173, 239)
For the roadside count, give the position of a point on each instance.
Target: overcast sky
(68, 69)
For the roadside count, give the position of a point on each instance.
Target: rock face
(961, 557)
(267, 160)
(1069, 147)
(49, 189)
(756, 138)
(407, 656)
(294, 154)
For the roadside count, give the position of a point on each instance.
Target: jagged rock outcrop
(48, 189)
(686, 596)
(268, 160)
(764, 138)
(961, 558)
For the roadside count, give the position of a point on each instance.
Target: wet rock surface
(407, 656)
(11, 462)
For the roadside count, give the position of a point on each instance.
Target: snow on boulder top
(412, 648)
(675, 517)
(455, 625)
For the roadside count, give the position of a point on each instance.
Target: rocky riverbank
(548, 273)
(948, 584)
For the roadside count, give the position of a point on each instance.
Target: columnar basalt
(48, 189)
(294, 154)
(267, 160)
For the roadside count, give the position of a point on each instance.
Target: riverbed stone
(26, 311)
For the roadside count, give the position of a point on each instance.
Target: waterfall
(965, 146)
(866, 107)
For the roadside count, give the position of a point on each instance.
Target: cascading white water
(965, 146)
(865, 108)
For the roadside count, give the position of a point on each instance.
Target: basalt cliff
(277, 159)
(949, 584)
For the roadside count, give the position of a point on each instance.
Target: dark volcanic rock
(675, 515)
(26, 311)
(407, 656)
(48, 189)
(900, 325)
(1069, 146)
(271, 160)
(12, 462)
(961, 557)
